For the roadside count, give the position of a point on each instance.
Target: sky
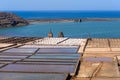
(36, 5)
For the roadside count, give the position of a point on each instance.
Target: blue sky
(59, 5)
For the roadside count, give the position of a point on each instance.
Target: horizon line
(58, 10)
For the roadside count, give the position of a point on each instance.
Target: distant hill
(11, 20)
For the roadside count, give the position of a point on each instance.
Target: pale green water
(106, 29)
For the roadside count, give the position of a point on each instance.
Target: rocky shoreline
(71, 20)
(11, 20)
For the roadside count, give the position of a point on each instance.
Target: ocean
(67, 14)
(96, 29)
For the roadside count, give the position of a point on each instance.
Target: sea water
(108, 29)
(67, 14)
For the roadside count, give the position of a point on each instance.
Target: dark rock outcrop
(9, 20)
(60, 34)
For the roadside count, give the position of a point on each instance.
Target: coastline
(11, 20)
(70, 20)
(31, 21)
